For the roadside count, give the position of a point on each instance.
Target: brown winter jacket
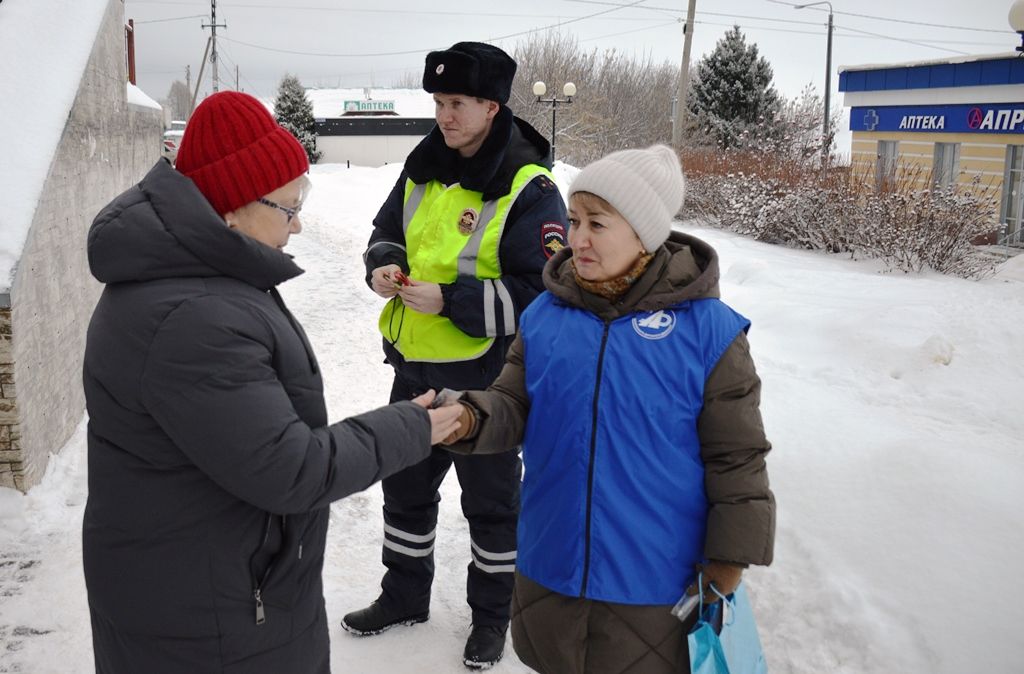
(741, 518)
(557, 634)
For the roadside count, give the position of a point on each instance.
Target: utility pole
(236, 78)
(684, 78)
(825, 144)
(188, 77)
(199, 80)
(826, 137)
(213, 26)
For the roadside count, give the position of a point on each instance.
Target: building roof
(966, 58)
(44, 49)
(959, 71)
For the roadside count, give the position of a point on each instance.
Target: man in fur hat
(471, 222)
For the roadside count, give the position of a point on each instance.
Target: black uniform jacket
(534, 231)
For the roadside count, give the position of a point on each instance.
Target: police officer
(457, 250)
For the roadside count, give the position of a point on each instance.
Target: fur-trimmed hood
(683, 268)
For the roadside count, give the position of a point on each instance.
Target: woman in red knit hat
(211, 460)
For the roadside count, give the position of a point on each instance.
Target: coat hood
(165, 228)
(684, 268)
(511, 144)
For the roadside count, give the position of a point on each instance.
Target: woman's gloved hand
(725, 576)
(467, 424)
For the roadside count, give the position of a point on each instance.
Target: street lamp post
(1016, 19)
(569, 90)
(828, 82)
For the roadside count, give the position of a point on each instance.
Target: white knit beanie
(645, 186)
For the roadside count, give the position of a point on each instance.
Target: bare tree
(622, 101)
(178, 100)
(408, 80)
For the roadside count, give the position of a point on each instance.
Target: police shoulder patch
(552, 238)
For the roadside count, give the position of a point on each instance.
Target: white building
(370, 127)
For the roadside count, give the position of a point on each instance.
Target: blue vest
(613, 501)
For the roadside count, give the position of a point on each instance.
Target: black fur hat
(470, 68)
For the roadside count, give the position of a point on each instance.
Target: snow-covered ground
(894, 404)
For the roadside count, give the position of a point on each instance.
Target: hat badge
(440, 68)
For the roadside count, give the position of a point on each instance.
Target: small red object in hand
(401, 279)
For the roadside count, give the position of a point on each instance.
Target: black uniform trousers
(490, 502)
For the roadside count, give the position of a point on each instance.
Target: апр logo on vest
(657, 325)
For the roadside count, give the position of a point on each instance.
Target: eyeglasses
(290, 212)
(304, 187)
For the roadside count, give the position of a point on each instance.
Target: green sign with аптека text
(369, 106)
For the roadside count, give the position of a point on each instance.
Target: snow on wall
(966, 58)
(138, 97)
(44, 49)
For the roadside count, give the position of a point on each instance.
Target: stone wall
(10, 450)
(107, 145)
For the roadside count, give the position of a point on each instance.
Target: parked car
(172, 138)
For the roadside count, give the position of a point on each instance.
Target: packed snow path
(893, 403)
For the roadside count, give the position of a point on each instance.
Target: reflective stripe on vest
(438, 252)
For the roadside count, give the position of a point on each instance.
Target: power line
(749, 27)
(913, 42)
(328, 55)
(253, 88)
(422, 51)
(570, 21)
(674, 10)
(885, 18)
(861, 34)
(627, 32)
(357, 10)
(177, 18)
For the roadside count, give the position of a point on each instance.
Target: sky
(376, 44)
(892, 402)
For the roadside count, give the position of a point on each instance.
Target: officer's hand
(443, 420)
(423, 297)
(383, 282)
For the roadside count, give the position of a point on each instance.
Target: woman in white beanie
(631, 390)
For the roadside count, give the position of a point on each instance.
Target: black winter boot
(377, 618)
(485, 646)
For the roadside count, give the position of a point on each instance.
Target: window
(885, 168)
(946, 166)
(1013, 193)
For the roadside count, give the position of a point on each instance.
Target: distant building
(956, 119)
(370, 127)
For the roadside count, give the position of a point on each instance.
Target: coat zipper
(257, 590)
(590, 465)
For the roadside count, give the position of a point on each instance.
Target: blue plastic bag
(724, 640)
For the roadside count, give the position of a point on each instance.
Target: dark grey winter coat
(211, 464)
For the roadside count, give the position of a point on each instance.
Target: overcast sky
(363, 43)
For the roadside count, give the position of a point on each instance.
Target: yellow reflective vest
(451, 232)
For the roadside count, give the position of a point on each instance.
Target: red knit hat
(235, 152)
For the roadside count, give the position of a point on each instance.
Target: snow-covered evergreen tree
(731, 96)
(294, 111)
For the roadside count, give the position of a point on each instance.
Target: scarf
(614, 288)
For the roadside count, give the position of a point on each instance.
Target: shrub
(909, 224)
